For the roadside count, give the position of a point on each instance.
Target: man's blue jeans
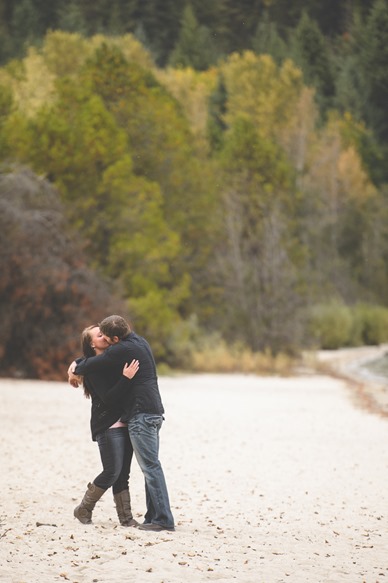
(144, 434)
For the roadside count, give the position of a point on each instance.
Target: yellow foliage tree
(64, 53)
(298, 134)
(131, 48)
(31, 81)
(354, 181)
(262, 91)
(192, 89)
(335, 172)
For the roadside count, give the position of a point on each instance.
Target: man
(143, 409)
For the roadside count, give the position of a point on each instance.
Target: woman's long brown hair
(87, 349)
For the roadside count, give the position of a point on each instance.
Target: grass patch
(223, 358)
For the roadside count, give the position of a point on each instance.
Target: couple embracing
(119, 373)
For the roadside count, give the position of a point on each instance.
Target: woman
(111, 435)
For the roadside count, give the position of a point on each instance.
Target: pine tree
(25, 25)
(235, 23)
(195, 47)
(310, 52)
(71, 19)
(160, 20)
(374, 63)
(216, 125)
(267, 40)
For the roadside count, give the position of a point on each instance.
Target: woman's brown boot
(84, 510)
(123, 507)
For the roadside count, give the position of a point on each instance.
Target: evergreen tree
(161, 21)
(96, 14)
(48, 13)
(374, 63)
(5, 38)
(332, 16)
(268, 41)
(195, 47)
(310, 52)
(351, 95)
(216, 124)
(235, 23)
(71, 19)
(26, 26)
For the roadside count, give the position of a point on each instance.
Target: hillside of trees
(216, 173)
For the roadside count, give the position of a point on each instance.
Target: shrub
(334, 325)
(374, 323)
(330, 325)
(48, 293)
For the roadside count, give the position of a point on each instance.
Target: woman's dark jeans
(116, 455)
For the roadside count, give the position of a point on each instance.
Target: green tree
(373, 60)
(162, 149)
(332, 16)
(216, 124)
(195, 47)
(161, 23)
(234, 23)
(351, 98)
(349, 95)
(265, 93)
(267, 40)
(25, 25)
(5, 33)
(310, 52)
(71, 18)
(117, 146)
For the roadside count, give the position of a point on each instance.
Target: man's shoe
(154, 527)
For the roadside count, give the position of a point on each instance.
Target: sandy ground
(271, 480)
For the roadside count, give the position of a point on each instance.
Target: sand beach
(271, 480)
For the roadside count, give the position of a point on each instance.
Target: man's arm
(119, 389)
(83, 366)
(123, 385)
(118, 393)
(114, 356)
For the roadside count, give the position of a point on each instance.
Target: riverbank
(357, 367)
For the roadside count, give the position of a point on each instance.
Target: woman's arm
(130, 370)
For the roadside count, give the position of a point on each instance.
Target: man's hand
(130, 370)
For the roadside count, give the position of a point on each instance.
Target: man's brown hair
(115, 326)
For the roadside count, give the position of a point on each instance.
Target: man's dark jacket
(143, 396)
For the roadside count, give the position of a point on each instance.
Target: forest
(215, 172)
